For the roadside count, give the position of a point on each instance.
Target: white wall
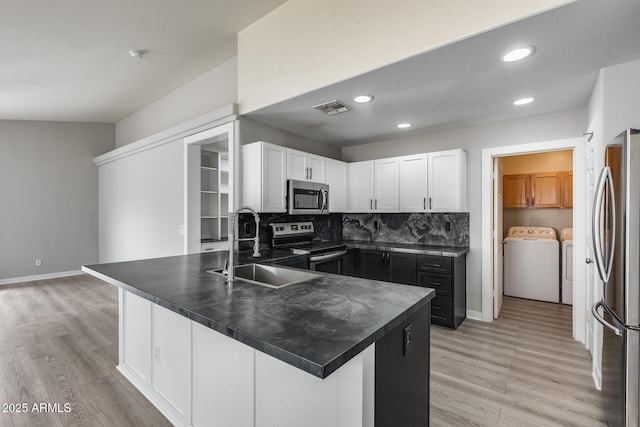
(621, 93)
(613, 107)
(307, 44)
(141, 204)
(49, 188)
(564, 124)
(208, 92)
(251, 131)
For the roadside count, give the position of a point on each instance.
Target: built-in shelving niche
(214, 193)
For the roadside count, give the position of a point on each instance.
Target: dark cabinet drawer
(436, 264)
(443, 284)
(442, 311)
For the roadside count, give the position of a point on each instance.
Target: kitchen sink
(271, 276)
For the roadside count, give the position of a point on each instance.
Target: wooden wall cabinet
(538, 190)
(566, 185)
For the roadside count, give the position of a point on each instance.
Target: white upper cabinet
(428, 182)
(447, 181)
(360, 185)
(337, 178)
(373, 186)
(264, 176)
(386, 193)
(433, 182)
(413, 183)
(305, 167)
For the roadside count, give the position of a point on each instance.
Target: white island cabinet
(198, 377)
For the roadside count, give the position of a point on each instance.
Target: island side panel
(289, 397)
(402, 373)
(223, 380)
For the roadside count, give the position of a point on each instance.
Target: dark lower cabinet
(389, 266)
(448, 276)
(371, 265)
(349, 262)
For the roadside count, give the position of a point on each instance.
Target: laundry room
(537, 224)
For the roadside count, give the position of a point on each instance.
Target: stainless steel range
(298, 236)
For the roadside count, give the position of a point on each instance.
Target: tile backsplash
(440, 229)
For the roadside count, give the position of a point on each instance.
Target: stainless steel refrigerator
(616, 237)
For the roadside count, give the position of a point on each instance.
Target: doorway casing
(580, 304)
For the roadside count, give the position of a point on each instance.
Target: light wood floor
(59, 344)
(524, 369)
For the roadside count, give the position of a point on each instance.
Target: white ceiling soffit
(69, 61)
(466, 83)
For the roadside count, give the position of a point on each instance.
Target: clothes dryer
(566, 238)
(531, 263)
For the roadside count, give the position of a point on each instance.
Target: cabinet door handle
(376, 204)
(429, 203)
(533, 201)
(424, 203)
(371, 204)
(310, 173)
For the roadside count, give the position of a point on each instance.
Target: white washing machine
(531, 263)
(566, 239)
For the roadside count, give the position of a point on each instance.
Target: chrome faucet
(229, 267)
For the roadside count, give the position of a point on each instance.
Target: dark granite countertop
(408, 248)
(317, 325)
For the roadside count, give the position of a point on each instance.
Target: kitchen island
(332, 350)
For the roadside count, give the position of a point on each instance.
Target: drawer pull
(434, 283)
(432, 265)
(439, 317)
(435, 306)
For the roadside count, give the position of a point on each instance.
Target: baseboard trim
(25, 279)
(474, 315)
(147, 393)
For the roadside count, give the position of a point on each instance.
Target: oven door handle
(327, 257)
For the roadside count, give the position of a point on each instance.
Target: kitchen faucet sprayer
(256, 240)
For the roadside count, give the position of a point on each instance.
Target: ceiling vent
(332, 108)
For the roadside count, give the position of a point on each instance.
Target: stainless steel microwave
(307, 198)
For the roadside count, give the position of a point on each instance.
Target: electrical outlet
(38, 262)
(406, 341)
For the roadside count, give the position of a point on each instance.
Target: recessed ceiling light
(518, 54)
(403, 125)
(523, 101)
(363, 99)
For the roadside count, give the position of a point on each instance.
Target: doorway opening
(533, 219)
(493, 222)
(209, 189)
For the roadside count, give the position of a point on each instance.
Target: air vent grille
(332, 108)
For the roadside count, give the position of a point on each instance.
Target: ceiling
(467, 83)
(68, 60)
